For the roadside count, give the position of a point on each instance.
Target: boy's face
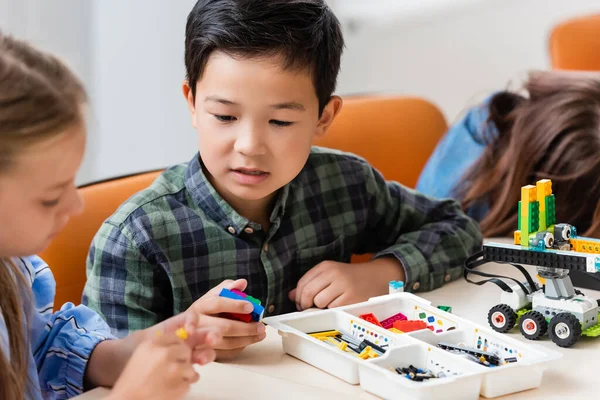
(256, 123)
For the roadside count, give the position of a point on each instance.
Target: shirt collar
(211, 202)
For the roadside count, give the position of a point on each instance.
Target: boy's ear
(189, 98)
(331, 110)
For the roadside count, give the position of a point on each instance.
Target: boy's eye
(280, 123)
(224, 118)
(50, 203)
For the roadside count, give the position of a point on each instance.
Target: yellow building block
(517, 237)
(544, 188)
(395, 330)
(528, 195)
(324, 335)
(585, 245)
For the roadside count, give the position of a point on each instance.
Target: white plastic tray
(464, 379)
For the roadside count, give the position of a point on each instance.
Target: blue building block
(257, 313)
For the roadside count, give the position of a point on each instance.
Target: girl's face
(38, 193)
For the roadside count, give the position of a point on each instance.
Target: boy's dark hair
(305, 33)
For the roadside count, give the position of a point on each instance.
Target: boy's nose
(250, 143)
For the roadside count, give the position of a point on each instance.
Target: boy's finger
(232, 328)
(311, 290)
(306, 279)
(217, 305)
(239, 284)
(231, 343)
(324, 298)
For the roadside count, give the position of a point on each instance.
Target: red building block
(371, 318)
(240, 317)
(409, 326)
(389, 322)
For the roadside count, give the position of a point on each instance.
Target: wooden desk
(264, 370)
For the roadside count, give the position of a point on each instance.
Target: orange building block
(371, 318)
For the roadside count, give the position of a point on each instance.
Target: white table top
(264, 371)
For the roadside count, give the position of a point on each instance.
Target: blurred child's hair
(553, 132)
(305, 33)
(39, 97)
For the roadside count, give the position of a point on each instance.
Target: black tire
(564, 329)
(502, 318)
(533, 325)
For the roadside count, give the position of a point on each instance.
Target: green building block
(550, 210)
(447, 309)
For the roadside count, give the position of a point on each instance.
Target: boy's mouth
(250, 176)
(250, 171)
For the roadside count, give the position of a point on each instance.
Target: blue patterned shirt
(61, 342)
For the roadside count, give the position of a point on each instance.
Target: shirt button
(447, 278)
(271, 308)
(231, 230)
(248, 230)
(416, 286)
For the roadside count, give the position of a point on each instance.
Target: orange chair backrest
(395, 134)
(575, 44)
(67, 254)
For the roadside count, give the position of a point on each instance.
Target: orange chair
(67, 254)
(395, 134)
(575, 44)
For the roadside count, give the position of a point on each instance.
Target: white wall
(451, 51)
(140, 112)
(130, 55)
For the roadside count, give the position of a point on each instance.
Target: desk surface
(264, 370)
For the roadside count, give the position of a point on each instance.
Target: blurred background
(130, 56)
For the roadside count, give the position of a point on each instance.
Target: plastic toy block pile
(256, 314)
(416, 374)
(364, 349)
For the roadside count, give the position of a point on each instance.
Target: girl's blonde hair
(39, 98)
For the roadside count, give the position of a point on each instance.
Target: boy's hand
(236, 334)
(332, 284)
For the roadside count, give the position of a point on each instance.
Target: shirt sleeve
(123, 286)
(456, 152)
(62, 341)
(430, 237)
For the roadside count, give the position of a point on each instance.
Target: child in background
(513, 140)
(258, 202)
(55, 355)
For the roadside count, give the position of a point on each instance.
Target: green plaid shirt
(169, 244)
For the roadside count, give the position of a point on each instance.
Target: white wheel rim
(529, 326)
(498, 319)
(562, 330)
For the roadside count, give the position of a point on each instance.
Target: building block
(410, 325)
(395, 330)
(389, 322)
(256, 314)
(447, 309)
(550, 210)
(396, 287)
(371, 318)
